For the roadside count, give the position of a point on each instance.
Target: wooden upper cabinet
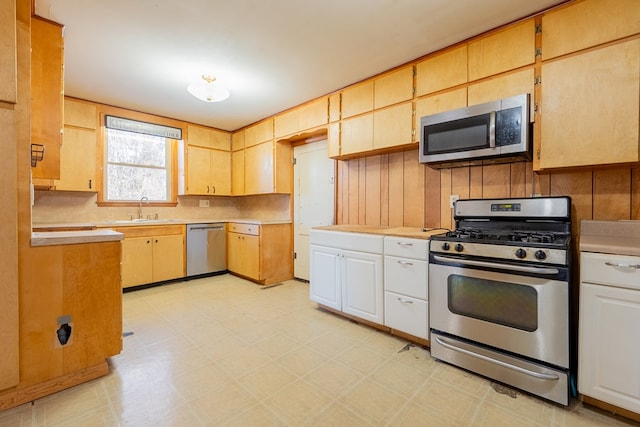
(586, 24)
(209, 171)
(357, 99)
(314, 114)
(77, 160)
(8, 89)
(237, 141)
(442, 71)
(286, 123)
(259, 133)
(505, 50)
(394, 87)
(590, 112)
(47, 53)
(334, 107)
(504, 86)
(302, 118)
(439, 103)
(80, 114)
(237, 173)
(392, 126)
(259, 164)
(207, 137)
(333, 140)
(356, 135)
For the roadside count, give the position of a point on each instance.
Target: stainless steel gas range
(500, 294)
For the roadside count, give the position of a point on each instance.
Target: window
(138, 161)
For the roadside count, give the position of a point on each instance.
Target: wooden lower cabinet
(152, 254)
(262, 253)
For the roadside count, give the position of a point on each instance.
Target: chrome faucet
(140, 206)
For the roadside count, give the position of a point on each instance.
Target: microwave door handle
(492, 129)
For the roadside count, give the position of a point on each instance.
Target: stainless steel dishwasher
(206, 248)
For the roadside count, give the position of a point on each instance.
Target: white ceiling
(271, 54)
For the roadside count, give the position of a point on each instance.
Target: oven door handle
(520, 268)
(539, 375)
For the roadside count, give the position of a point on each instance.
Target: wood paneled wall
(396, 190)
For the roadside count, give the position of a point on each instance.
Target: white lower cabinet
(346, 273)
(406, 306)
(609, 343)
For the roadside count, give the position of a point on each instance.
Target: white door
(313, 201)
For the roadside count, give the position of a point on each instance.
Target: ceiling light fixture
(208, 90)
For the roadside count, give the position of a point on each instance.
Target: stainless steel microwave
(492, 132)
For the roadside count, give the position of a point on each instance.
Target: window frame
(172, 200)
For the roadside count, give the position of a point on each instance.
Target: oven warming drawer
(537, 379)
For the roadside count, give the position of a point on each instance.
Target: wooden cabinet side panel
(277, 252)
(8, 64)
(283, 169)
(93, 299)
(40, 301)
(46, 95)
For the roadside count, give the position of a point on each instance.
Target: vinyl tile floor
(222, 351)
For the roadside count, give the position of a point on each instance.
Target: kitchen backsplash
(56, 207)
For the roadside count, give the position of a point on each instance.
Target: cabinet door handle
(148, 241)
(620, 265)
(89, 184)
(404, 262)
(404, 244)
(405, 301)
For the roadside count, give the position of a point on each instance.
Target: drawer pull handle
(404, 262)
(617, 264)
(404, 244)
(405, 301)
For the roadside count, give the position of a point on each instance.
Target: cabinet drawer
(371, 243)
(252, 229)
(409, 248)
(406, 276)
(406, 314)
(595, 269)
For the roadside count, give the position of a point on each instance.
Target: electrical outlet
(204, 203)
(453, 198)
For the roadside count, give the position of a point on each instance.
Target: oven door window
(507, 304)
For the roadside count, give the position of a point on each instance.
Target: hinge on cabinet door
(538, 153)
(295, 255)
(293, 160)
(538, 51)
(89, 184)
(537, 80)
(535, 107)
(539, 29)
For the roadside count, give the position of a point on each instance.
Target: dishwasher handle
(215, 228)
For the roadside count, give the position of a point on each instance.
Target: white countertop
(610, 237)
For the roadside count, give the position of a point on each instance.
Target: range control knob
(459, 247)
(521, 253)
(445, 246)
(540, 255)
